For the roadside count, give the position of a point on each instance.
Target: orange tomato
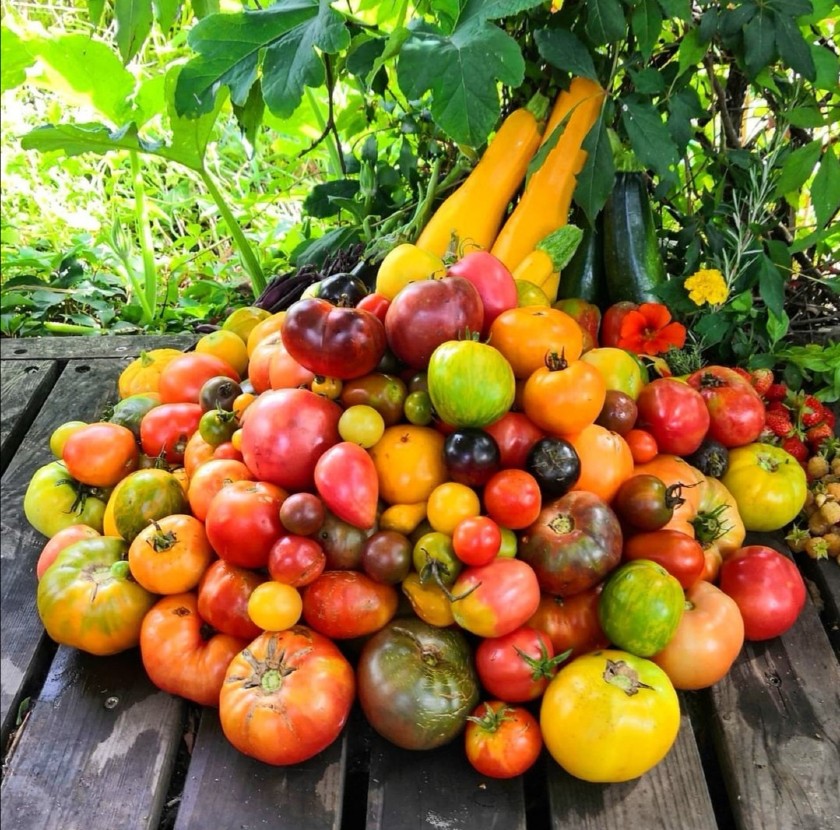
(196, 453)
(284, 372)
(605, 461)
(143, 373)
(270, 325)
(100, 454)
(170, 555)
(209, 478)
(228, 346)
(642, 445)
(259, 365)
(409, 463)
(563, 398)
(524, 335)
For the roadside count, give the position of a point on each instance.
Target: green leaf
(646, 23)
(134, 22)
(326, 199)
(827, 67)
(691, 50)
(604, 21)
(595, 180)
(95, 9)
(797, 168)
(86, 72)
(494, 9)
(14, 60)
(793, 48)
(166, 12)
(759, 42)
(189, 135)
(564, 50)
(249, 116)
(292, 63)
(682, 108)
(461, 71)
(777, 326)
(393, 46)
(203, 8)
(76, 139)
(805, 117)
(708, 25)
(679, 9)
(825, 191)
(712, 328)
(734, 19)
(649, 81)
(792, 8)
(651, 141)
(229, 48)
(771, 285)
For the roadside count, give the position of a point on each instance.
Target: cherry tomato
(296, 560)
(642, 445)
(502, 741)
(223, 598)
(361, 424)
(303, 514)
(512, 498)
(274, 606)
(645, 502)
(449, 503)
(476, 540)
(387, 556)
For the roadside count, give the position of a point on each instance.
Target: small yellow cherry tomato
(274, 606)
(60, 435)
(328, 387)
(449, 504)
(361, 424)
(428, 600)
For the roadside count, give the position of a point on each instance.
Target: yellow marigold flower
(707, 286)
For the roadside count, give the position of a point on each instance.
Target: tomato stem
(623, 676)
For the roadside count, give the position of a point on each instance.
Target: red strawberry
(796, 448)
(828, 417)
(776, 392)
(816, 435)
(779, 423)
(811, 412)
(778, 406)
(762, 380)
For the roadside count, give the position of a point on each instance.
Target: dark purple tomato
(303, 513)
(342, 543)
(386, 556)
(645, 502)
(219, 393)
(472, 456)
(555, 464)
(619, 412)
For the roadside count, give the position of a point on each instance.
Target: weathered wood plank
(24, 386)
(438, 788)
(825, 575)
(104, 346)
(96, 751)
(777, 729)
(672, 794)
(225, 788)
(81, 391)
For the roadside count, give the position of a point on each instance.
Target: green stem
(335, 159)
(148, 297)
(246, 252)
(70, 328)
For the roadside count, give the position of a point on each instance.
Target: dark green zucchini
(632, 260)
(583, 278)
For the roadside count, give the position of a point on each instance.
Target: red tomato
(376, 304)
(177, 656)
(331, 341)
(512, 498)
(209, 478)
(502, 741)
(61, 540)
(515, 433)
(223, 598)
(166, 429)
(287, 697)
(243, 522)
(476, 540)
(494, 599)
(767, 587)
(571, 622)
(610, 332)
(347, 482)
(182, 378)
(227, 452)
(516, 667)
(677, 552)
(735, 409)
(285, 433)
(708, 639)
(642, 445)
(675, 414)
(345, 604)
(100, 454)
(296, 560)
(493, 281)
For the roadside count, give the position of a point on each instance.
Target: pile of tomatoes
(448, 506)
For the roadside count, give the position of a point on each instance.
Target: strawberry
(828, 416)
(796, 448)
(778, 406)
(816, 435)
(779, 423)
(811, 412)
(742, 372)
(776, 392)
(762, 380)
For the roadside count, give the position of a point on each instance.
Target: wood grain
(125, 347)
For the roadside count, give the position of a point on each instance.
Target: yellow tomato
(428, 600)
(619, 369)
(404, 264)
(403, 518)
(274, 606)
(609, 716)
(143, 373)
(449, 504)
(409, 463)
(527, 293)
(226, 345)
(242, 321)
(270, 325)
(60, 435)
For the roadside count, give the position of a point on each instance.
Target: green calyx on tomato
(710, 526)
(491, 719)
(623, 676)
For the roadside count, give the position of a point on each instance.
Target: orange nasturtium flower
(649, 330)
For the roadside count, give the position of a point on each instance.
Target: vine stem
(335, 159)
(148, 295)
(249, 258)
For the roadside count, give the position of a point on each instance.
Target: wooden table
(90, 744)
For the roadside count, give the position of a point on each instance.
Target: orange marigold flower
(649, 330)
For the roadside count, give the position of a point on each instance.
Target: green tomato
(768, 485)
(640, 607)
(433, 553)
(88, 600)
(217, 426)
(361, 424)
(471, 384)
(510, 543)
(418, 408)
(60, 435)
(130, 411)
(55, 500)
(145, 496)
